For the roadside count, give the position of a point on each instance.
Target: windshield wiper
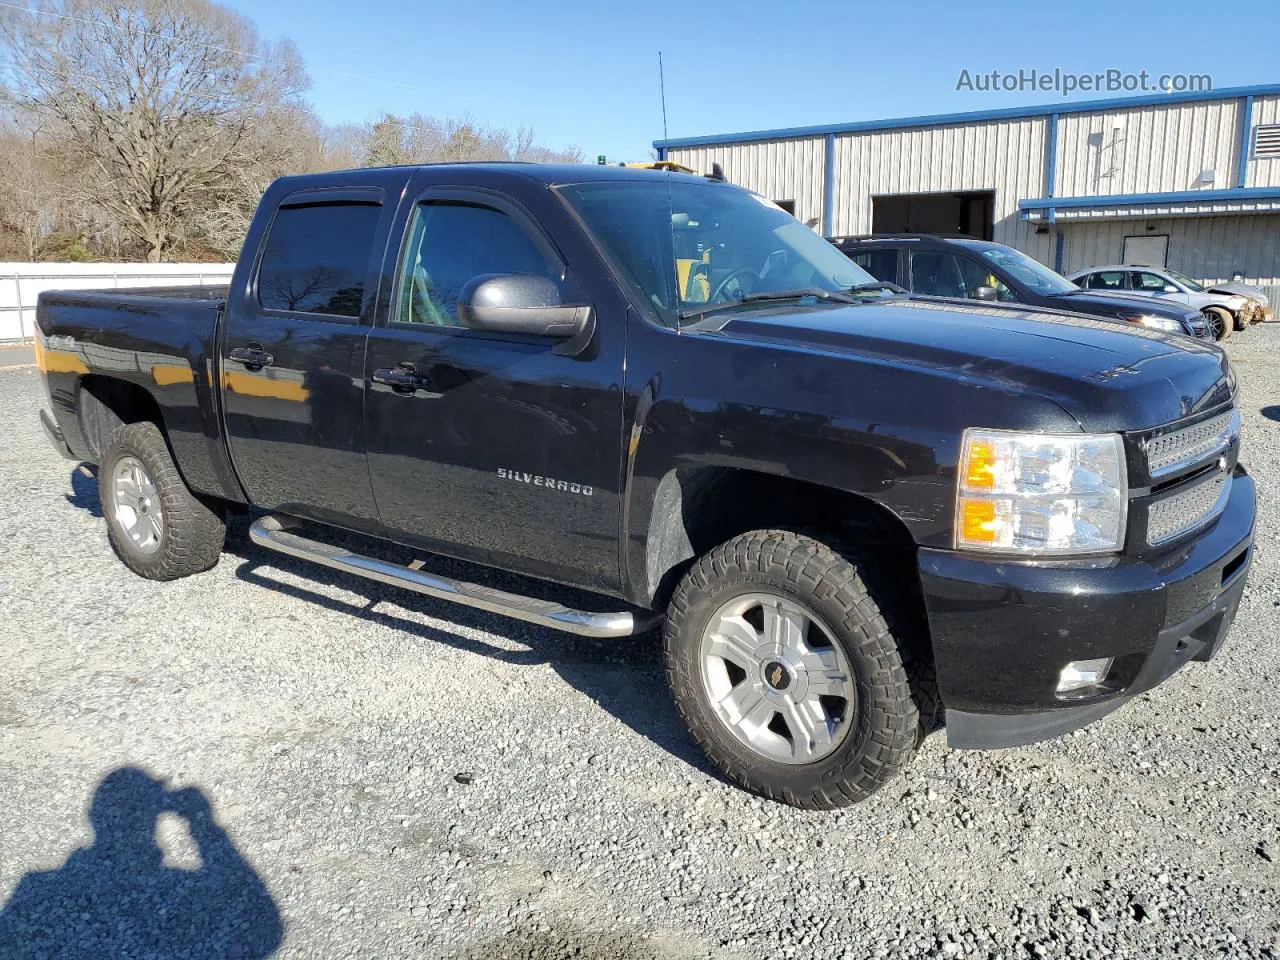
(768, 296)
(876, 285)
(799, 293)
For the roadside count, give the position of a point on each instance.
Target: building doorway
(968, 213)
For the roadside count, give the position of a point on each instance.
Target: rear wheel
(786, 672)
(1220, 322)
(157, 527)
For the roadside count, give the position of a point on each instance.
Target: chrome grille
(1185, 511)
(1192, 444)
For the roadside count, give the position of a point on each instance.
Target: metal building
(1191, 181)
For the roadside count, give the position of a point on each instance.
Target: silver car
(1226, 311)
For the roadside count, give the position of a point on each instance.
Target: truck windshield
(690, 247)
(1031, 272)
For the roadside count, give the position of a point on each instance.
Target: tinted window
(1106, 280)
(974, 275)
(316, 259)
(881, 264)
(937, 274)
(452, 243)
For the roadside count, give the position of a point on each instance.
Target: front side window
(975, 275)
(317, 257)
(450, 244)
(1150, 282)
(687, 246)
(937, 274)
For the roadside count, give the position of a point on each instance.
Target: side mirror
(986, 293)
(1170, 288)
(525, 303)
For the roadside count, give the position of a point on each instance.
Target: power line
(91, 21)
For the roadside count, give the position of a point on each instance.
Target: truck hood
(1107, 376)
(1090, 300)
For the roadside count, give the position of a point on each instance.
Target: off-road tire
(1221, 319)
(192, 534)
(886, 729)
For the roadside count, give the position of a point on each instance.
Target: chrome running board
(273, 533)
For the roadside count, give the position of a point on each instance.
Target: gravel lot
(390, 776)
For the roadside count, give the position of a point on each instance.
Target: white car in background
(1226, 311)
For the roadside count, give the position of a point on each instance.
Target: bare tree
(422, 139)
(25, 189)
(164, 100)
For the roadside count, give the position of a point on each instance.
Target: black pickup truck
(861, 516)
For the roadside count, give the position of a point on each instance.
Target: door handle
(252, 356)
(403, 378)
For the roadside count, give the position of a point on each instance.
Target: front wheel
(157, 527)
(1221, 322)
(786, 671)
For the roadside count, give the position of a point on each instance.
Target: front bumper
(1002, 631)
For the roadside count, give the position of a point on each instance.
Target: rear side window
(881, 264)
(1106, 280)
(317, 257)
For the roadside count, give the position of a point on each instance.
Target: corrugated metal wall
(1264, 173)
(1148, 149)
(1206, 248)
(778, 169)
(1005, 156)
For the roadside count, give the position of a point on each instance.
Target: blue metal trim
(1129, 199)
(829, 187)
(1051, 158)
(1058, 238)
(662, 152)
(976, 116)
(1246, 142)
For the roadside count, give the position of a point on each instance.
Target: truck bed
(162, 340)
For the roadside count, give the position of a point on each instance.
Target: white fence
(22, 283)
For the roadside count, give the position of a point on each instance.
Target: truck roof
(552, 174)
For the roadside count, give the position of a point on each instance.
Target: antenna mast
(662, 93)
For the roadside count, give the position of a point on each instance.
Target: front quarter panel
(886, 431)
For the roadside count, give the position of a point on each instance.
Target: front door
(292, 364)
(495, 448)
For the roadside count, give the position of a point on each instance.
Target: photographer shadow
(118, 898)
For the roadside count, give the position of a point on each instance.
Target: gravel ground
(277, 758)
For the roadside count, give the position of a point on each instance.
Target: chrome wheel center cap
(777, 675)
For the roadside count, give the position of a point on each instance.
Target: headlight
(1039, 494)
(1156, 323)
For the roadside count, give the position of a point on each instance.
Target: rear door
(499, 450)
(292, 358)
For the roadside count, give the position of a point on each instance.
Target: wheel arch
(696, 508)
(108, 403)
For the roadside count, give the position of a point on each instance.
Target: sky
(585, 73)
